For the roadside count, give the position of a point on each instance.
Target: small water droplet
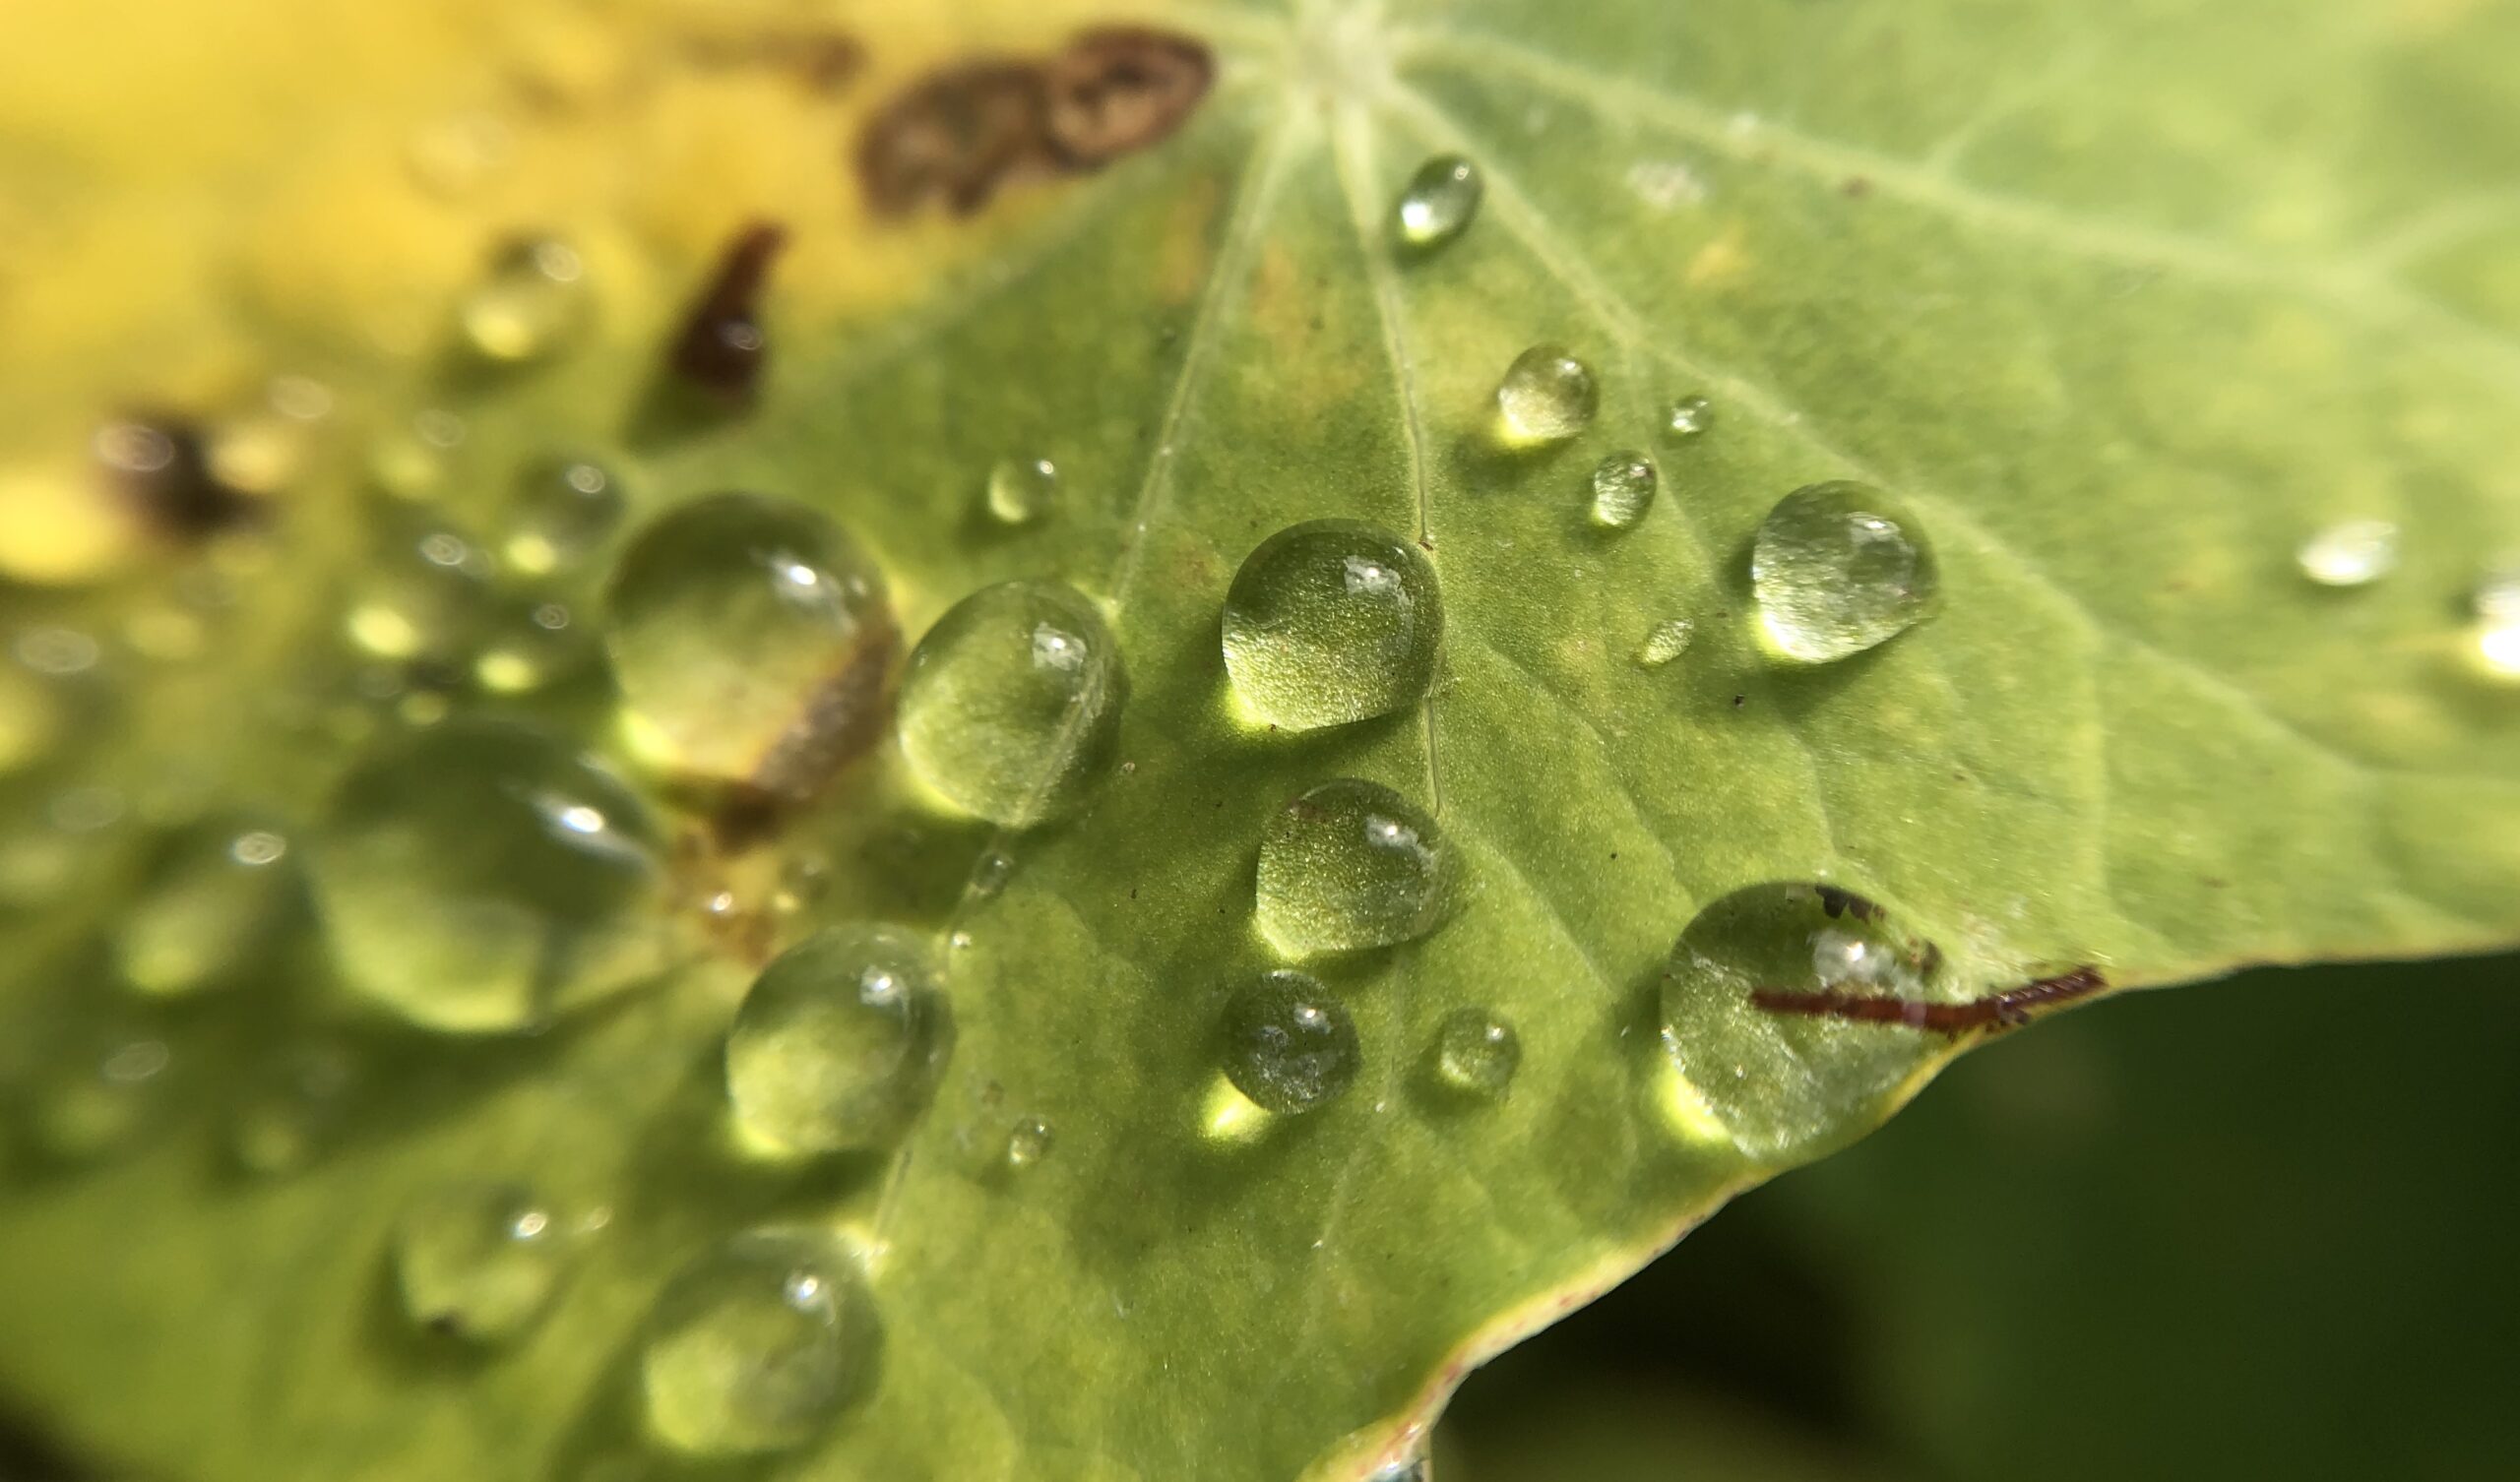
(479, 876)
(1438, 202)
(1622, 490)
(1012, 702)
(56, 651)
(754, 637)
(1027, 1144)
(756, 1345)
(1689, 417)
(1349, 865)
(1330, 622)
(290, 1107)
(423, 594)
(1786, 1087)
(533, 298)
(1289, 1045)
(100, 1095)
(478, 1260)
(1547, 395)
(1839, 567)
(989, 876)
(1477, 1053)
(1665, 642)
(561, 511)
(839, 1043)
(534, 642)
(2350, 553)
(208, 904)
(1021, 490)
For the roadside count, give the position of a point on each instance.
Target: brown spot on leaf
(162, 469)
(721, 349)
(959, 134)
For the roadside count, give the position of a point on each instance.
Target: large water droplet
(478, 1261)
(1477, 1053)
(480, 876)
(210, 902)
(1289, 1045)
(1622, 490)
(1012, 702)
(1665, 642)
(839, 1042)
(1837, 568)
(561, 511)
(1330, 622)
(1786, 1087)
(534, 299)
(1349, 865)
(755, 638)
(1547, 395)
(1438, 202)
(1021, 490)
(2350, 553)
(756, 1345)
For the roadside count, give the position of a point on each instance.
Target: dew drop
(756, 1345)
(1665, 642)
(1547, 395)
(1027, 1144)
(1438, 202)
(1012, 702)
(2496, 602)
(1786, 1087)
(208, 903)
(534, 642)
(1839, 567)
(100, 1095)
(1331, 622)
(479, 876)
(290, 1107)
(1477, 1053)
(839, 1042)
(754, 637)
(2350, 553)
(1689, 417)
(1622, 490)
(989, 876)
(1349, 865)
(423, 594)
(478, 1260)
(562, 510)
(534, 299)
(1021, 490)
(1290, 1046)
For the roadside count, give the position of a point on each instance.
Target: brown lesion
(721, 347)
(962, 132)
(2006, 1009)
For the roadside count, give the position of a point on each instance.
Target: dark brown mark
(960, 135)
(163, 470)
(1837, 902)
(2010, 1009)
(721, 349)
(1856, 187)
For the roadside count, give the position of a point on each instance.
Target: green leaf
(2120, 305)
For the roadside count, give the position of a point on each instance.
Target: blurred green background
(2260, 1228)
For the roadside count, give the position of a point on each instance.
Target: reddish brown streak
(2008, 1009)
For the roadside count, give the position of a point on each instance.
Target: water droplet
(1477, 1053)
(533, 298)
(1438, 202)
(1547, 395)
(424, 596)
(1027, 1144)
(1012, 702)
(989, 876)
(479, 876)
(208, 905)
(839, 1042)
(756, 1345)
(1622, 488)
(1331, 622)
(291, 1109)
(1665, 642)
(99, 1094)
(562, 510)
(1839, 567)
(1349, 865)
(480, 1261)
(2350, 553)
(1689, 417)
(1021, 490)
(1290, 1046)
(533, 644)
(754, 637)
(1786, 1087)
(56, 651)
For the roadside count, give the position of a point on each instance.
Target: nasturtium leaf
(2119, 305)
